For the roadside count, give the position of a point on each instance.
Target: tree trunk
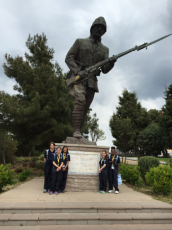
(138, 153)
(125, 155)
(30, 152)
(3, 156)
(125, 150)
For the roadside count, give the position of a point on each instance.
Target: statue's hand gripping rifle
(97, 68)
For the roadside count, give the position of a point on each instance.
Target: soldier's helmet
(99, 21)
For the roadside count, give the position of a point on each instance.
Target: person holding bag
(114, 170)
(103, 171)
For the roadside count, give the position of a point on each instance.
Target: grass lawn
(163, 159)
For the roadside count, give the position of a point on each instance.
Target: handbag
(119, 179)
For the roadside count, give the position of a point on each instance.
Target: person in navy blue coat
(103, 171)
(66, 159)
(56, 172)
(48, 158)
(114, 170)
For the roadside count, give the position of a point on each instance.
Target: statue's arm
(109, 66)
(71, 56)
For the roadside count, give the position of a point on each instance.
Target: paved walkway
(32, 191)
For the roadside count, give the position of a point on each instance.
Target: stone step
(89, 207)
(32, 219)
(92, 227)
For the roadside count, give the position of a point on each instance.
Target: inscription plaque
(84, 163)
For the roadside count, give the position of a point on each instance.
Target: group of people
(109, 168)
(56, 170)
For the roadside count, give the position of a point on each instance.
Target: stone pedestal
(84, 158)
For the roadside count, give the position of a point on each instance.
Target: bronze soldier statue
(83, 54)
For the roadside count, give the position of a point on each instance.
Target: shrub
(27, 159)
(160, 178)
(40, 166)
(24, 175)
(34, 159)
(28, 172)
(40, 173)
(130, 173)
(41, 157)
(20, 159)
(32, 164)
(145, 163)
(6, 176)
(19, 170)
(25, 164)
(169, 163)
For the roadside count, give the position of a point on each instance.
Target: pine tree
(130, 111)
(151, 139)
(166, 120)
(121, 130)
(41, 110)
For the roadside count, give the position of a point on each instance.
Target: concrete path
(32, 191)
(26, 207)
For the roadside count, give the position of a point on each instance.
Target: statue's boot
(78, 113)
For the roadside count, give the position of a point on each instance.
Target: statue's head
(98, 27)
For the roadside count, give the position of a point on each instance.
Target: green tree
(166, 120)
(91, 128)
(95, 133)
(41, 111)
(8, 147)
(151, 139)
(121, 130)
(130, 108)
(85, 128)
(154, 115)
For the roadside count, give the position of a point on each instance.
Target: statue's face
(97, 31)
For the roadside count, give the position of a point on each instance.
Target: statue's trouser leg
(77, 116)
(79, 93)
(89, 98)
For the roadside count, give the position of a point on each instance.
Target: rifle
(93, 70)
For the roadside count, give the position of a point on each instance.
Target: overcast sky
(129, 23)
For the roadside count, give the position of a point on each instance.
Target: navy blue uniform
(56, 176)
(113, 172)
(48, 168)
(103, 174)
(65, 173)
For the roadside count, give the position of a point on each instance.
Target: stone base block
(82, 183)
